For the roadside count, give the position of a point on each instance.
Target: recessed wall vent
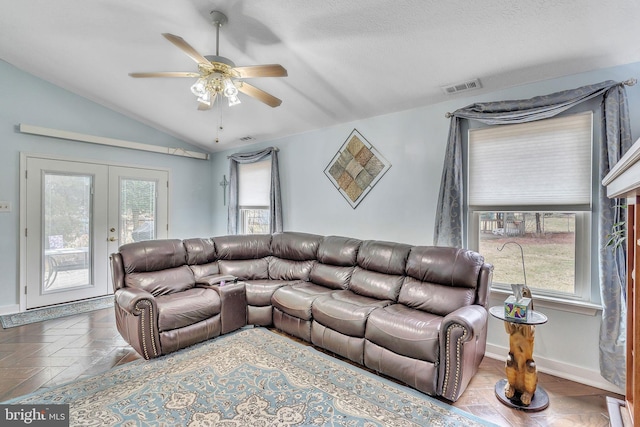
(462, 87)
(247, 138)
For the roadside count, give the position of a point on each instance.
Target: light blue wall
(402, 205)
(400, 208)
(30, 100)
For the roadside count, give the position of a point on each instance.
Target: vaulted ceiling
(346, 60)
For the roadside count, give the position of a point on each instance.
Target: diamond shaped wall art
(356, 168)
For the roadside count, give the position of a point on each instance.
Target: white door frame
(23, 209)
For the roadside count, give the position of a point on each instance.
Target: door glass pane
(67, 202)
(137, 210)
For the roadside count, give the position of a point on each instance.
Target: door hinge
(25, 290)
(26, 173)
(25, 232)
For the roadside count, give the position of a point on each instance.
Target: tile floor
(57, 351)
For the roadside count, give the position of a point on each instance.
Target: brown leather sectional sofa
(415, 313)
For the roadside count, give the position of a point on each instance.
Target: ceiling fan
(219, 76)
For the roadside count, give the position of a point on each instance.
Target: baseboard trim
(560, 369)
(9, 309)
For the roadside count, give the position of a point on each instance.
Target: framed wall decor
(356, 168)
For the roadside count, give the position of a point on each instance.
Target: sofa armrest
(463, 338)
(127, 298)
(137, 320)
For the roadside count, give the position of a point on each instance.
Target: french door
(77, 213)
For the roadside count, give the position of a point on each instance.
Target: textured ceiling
(346, 60)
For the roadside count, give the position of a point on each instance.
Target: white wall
(29, 100)
(402, 205)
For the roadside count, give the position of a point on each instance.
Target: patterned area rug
(53, 312)
(252, 377)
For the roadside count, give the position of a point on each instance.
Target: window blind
(254, 183)
(546, 162)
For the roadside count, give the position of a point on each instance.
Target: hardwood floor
(55, 352)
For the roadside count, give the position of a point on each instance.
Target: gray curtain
(275, 199)
(616, 141)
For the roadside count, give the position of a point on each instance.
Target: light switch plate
(5, 207)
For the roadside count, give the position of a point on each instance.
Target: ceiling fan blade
(203, 106)
(186, 48)
(259, 94)
(166, 74)
(269, 70)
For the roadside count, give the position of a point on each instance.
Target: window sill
(543, 301)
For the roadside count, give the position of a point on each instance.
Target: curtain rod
(81, 137)
(629, 82)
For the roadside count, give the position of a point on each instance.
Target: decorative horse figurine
(522, 377)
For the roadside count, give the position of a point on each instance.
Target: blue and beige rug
(55, 311)
(252, 377)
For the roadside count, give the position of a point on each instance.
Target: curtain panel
(275, 205)
(616, 140)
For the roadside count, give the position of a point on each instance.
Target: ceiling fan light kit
(218, 75)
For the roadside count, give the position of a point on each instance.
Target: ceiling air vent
(462, 87)
(247, 138)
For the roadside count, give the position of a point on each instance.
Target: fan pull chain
(220, 126)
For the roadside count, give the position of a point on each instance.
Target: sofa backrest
(380, 269)
(336, 260)
(244, 256)
(442, 279)
(293, 255)
(153, 255)
(433, 279)
(156, 266)
(201, 257)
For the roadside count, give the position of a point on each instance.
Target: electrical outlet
(5, 207)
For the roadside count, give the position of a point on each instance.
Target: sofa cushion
(375, 285)
(259, 292)
(203, 270)
(248, 269)
(296, 300)
(331, 276)
(445, 266)
(186, 308)
(243, 246)
(285, 269)
(383, 257)
(199, 251)
(295, 246)
(408, 332)
(339, 251)
(162, 282)
(152, 255)
(345, 312)
(434, 298)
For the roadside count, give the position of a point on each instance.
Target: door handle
(112, 239)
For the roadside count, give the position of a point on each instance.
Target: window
(531, 183)
(254, 183)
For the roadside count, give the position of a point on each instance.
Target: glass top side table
(520, 389)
